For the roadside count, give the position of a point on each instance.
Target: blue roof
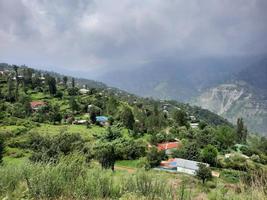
(101, 119)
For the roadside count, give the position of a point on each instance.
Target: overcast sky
(92, 37)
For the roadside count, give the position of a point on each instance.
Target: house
(168, 147)
(83, 91)
(103, 120)
(194, 125)
(81, 121)
(192, 118)
(36, 105)
(20, 77)
(181, 165)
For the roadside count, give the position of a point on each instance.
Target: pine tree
(51, 81)
(2, 147)
(65, 80)
(73, 82)
(10, 89)
(241, 131)
(15, 67)
(127, 118)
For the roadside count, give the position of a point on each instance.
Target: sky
(92, 37)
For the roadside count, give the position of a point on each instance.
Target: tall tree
(241, 131)
(154, 157)
(127, 118)
(27, 75)
(25, 101)
(180, 117)
(209, 154)
(203, 172)
(15, 67)
(106, 155)
(65, 80)
(107, 149)
(73, 82)
(1, 149)
(74, 106)
(10, 89)
(94, 111)
(51, 81)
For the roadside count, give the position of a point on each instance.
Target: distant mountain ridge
(230, 87)
(244, 96)
(179, 79)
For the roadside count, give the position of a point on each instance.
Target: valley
(63, 137)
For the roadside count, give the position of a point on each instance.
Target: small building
(103, 120)
(36, 105)
(168, 147)
(83, 91)
(81, 121)
(194, 125)
(192, 118)
(181, 165)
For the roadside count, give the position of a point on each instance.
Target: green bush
(230, 176)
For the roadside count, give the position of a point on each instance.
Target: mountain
(178, 79)
(245, 95)
(231, 87)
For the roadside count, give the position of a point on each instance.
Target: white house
(194, 125)
(181, 165)
(83, 91)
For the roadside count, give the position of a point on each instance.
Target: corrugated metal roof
(188, 164)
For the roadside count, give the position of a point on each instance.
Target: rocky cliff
(237, 99)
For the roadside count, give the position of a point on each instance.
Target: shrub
(203, 172)
(154, 157)
(49, 149)
(2, 148)
(209, 155)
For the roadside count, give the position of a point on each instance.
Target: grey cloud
(101, 35)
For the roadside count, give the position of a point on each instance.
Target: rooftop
(37, 103)
(183, 163)
(168, 145)
(101, 119)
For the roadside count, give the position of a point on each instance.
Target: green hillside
(61, 137)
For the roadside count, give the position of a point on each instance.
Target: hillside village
(47, 117)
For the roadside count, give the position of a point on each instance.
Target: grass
(127, 163)
(15, 161)
(39, 96)
(73, 178)
(87, 133)
(11, 128)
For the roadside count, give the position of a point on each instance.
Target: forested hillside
(60, 138)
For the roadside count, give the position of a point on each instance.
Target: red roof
(168, 145)
(35, 104)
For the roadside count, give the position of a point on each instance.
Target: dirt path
(128, 169)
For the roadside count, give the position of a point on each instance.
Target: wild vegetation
(64, 138)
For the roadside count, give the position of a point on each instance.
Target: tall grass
(73, 178)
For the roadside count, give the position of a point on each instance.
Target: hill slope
(120, 95)
(243, 96)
